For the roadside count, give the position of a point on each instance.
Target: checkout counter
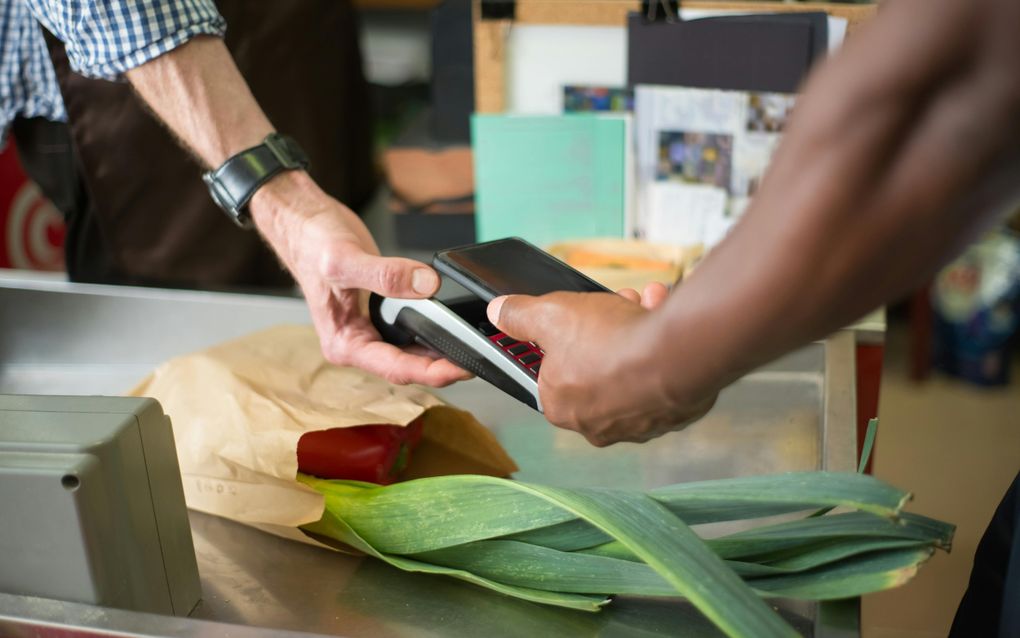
(798, 413)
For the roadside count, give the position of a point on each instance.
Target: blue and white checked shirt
(104, 38)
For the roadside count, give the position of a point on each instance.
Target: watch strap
(236, 181)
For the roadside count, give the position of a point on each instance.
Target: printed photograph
(695, 158)
(751, 156)
(585, 99)
(768, 112)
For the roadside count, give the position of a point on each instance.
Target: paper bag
(239, 408)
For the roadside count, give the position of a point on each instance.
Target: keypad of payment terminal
(527, 353)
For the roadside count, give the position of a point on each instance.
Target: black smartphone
(510, 266)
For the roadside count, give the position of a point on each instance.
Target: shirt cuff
(114, 69)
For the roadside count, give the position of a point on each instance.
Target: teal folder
(550, 178)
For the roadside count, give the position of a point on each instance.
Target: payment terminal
(454, 324)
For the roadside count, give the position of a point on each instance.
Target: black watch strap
(233, 184)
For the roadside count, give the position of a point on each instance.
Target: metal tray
(61, 338)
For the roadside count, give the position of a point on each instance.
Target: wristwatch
(233, 184)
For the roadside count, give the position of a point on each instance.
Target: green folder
(550, 178)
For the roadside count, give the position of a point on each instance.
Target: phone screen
(513, 266)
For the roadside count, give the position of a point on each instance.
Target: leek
(576, 548)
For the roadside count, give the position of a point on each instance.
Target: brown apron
(149, 218)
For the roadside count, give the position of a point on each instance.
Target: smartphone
(510, 266)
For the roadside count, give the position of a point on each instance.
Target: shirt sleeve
(105, 38)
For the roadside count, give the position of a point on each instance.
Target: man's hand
(198, 92)
(595, 375)
(334, 259)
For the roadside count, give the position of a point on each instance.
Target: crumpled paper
(239, 408)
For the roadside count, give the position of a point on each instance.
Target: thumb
(387, 276)
(512, 314)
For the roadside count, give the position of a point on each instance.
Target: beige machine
(91, 504)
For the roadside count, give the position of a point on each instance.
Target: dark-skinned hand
(594, 379)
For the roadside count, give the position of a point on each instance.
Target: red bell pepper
(371, 453)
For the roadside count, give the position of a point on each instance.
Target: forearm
(193, 86)
(199, 94)
(896, 151)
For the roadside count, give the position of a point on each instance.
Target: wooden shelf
(396, 5)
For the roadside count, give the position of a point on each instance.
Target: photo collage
(701, 154)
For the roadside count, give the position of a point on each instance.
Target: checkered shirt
(103, 38)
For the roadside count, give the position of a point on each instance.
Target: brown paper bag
(239, 408)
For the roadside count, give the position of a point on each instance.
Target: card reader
(454, 324)
(457, 328)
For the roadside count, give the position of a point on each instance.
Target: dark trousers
(991, 604)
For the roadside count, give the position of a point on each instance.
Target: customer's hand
(600, 374)
(334, 259)
(650, 298)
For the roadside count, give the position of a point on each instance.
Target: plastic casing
(449, 328)
(91, 504)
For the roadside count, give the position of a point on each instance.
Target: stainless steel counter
(60, 338)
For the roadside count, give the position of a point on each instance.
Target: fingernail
(493, 310)
(424, 281)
